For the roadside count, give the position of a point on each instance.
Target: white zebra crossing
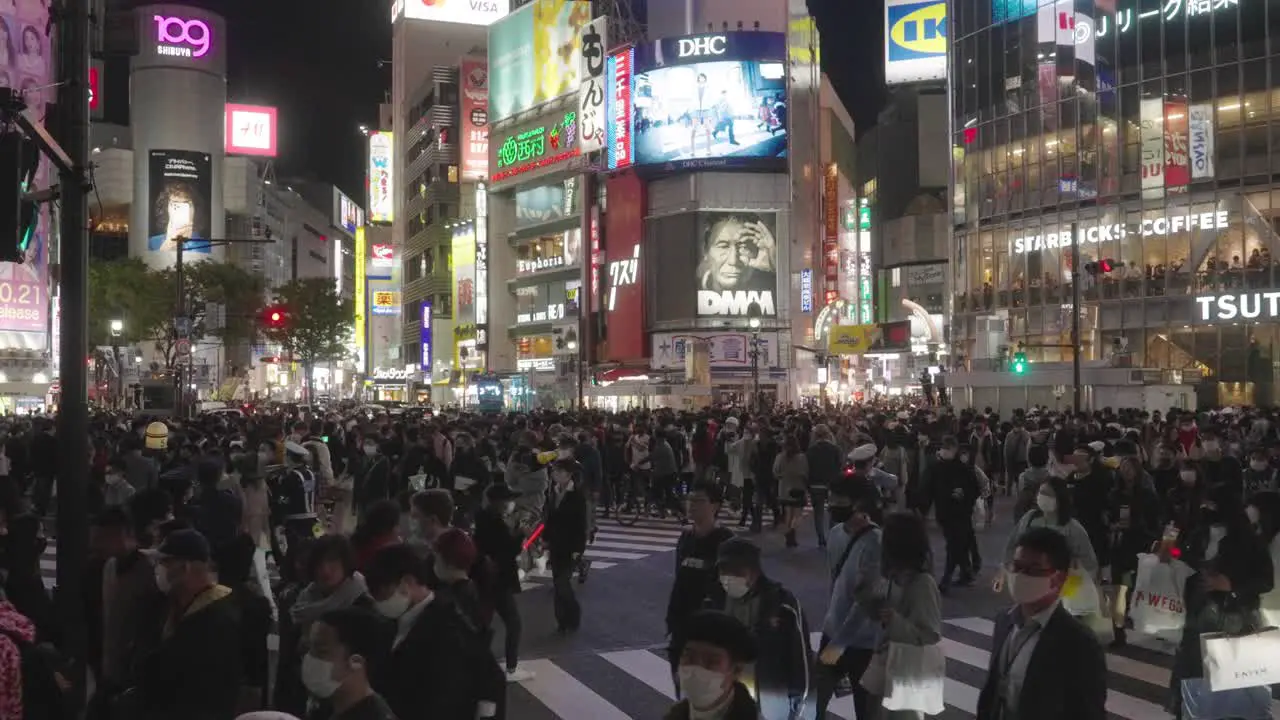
(639, 684)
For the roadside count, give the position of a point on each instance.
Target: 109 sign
(180, 37)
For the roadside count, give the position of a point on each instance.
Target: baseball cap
(185, 544)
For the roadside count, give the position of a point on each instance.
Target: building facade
(1114, 131)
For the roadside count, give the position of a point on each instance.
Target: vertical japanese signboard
(591, 93)
(831, 233)
(475, 118)
(361, 250)
(618, 89)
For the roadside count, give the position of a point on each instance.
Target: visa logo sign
(916, 30)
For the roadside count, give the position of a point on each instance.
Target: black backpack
(42, 699)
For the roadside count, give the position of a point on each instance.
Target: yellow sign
(852, 339)
(384, 299)
(361, 250)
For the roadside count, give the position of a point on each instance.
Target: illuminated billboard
(530, 148)
(715, 100)
(618, 93)
(474, 74)
(250, 130)
(381, 181)
(591, 94)
(915, 44)
(346, 213)
(361, 251)
(96, 108)
(181, 204)
(385, 302)
(737, 263)
(463, 12)
(382, 262)
(535, 55)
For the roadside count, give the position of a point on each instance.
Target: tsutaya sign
(180, 37)
(1245, 306)
(1094, 234)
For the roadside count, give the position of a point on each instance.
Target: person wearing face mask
(1031, 479)
(1264, 514)
(496, 541)
(1182, 503)
(695, 573)
(337, 670)
(1135, 526)
(1260, 476)
(1044, 664)
(1217, 466)
(565, 533)
(378, 528)
(715, 652)
(1055, 509)
(826, 464)
(196, 671)
(294, 497)
(954, 488)
(851, 627)
(439, 667)
(374, 483)
(430, 515)
(781, 677)
(1163, 469)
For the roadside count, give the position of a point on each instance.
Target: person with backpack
(439, 666)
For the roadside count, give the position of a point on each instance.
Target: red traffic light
(1105, 265)
(1101, 267)
(275, 317)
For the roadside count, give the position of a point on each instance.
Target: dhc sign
(708, 45)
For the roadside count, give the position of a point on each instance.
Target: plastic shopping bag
(1241, 661)
(1157, 608)
(1201, 703)
(1080, 594)
(915, 678)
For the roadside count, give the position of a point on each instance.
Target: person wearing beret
(717, 649)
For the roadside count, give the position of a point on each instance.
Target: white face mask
(735, 587)
(1254, 516)
(1047, 503)
(1026, 589)
(703, 687)
(370, 450)
(946, 454)
(317, 677)
(1258, 465)
(1188, 476)
(394, 606)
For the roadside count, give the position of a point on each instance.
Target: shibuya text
(1094, 234)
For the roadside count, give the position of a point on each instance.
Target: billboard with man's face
(737, 263)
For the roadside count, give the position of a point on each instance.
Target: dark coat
(196, 672)
(1066, 675)
(785, 663)
(495, 540)
(566, 527)
(742, 707)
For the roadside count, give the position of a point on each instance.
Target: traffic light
(1019, 364)
(275, 317)
(19, 157)
(1100, 267)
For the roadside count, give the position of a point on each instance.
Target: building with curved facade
(1137, 131)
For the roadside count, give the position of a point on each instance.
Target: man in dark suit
(1045, 665)
(566, 536)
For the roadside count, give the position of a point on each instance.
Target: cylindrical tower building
(178, 95)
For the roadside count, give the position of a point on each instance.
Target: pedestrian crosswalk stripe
(615, 545)
(591, 553)
(565, 696)
(1136, 689)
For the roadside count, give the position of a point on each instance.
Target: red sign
(1177, 156)
(95, 93)
(623, 274)
(250, 130)
(831, 228)
(619, 134)
(474, 73)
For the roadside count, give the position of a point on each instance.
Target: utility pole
(72, 21)
(1077, 390)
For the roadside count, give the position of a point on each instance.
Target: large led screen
(737, 263)
(712, 113)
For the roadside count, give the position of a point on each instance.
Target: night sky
(321, 69)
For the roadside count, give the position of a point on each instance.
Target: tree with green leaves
(129, 292)
(318, 324)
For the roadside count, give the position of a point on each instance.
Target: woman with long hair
(791, 468)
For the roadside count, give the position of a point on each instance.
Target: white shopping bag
(1270, 608)
(1080, 595)
(1241, 661)
(980, 513)
(1156, 607)
(915, 678)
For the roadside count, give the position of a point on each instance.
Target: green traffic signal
(1020, 364)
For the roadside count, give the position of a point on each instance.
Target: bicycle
(637, 499)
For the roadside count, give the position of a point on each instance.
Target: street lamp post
(753, 322)
(117, 329)
(572, 345)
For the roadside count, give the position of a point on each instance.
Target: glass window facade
(1144, 132)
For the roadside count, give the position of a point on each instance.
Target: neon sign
(1094, 234)
(1171, 10)
(180, 37)
(528, 150)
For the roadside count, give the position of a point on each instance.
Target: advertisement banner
(381, 182)
(463, 259)
(831, 228)
(475, 118)
(482, 264)
(346, 213)
(535, 54)
(737, 263)
(463, 12)
(591, 93)
(1200, 149)
(250, 130)
(711, 101)
(382, 262)
(1177, 161)
(358, 296)
(24, 288)
(891, 337)
(546, 203)
(531, 147)
(385, 302)
(1151, 111)
(424, 337)
(623, 273)
(915, 43)
(181, 199)
(618, 92)
(727, 350)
